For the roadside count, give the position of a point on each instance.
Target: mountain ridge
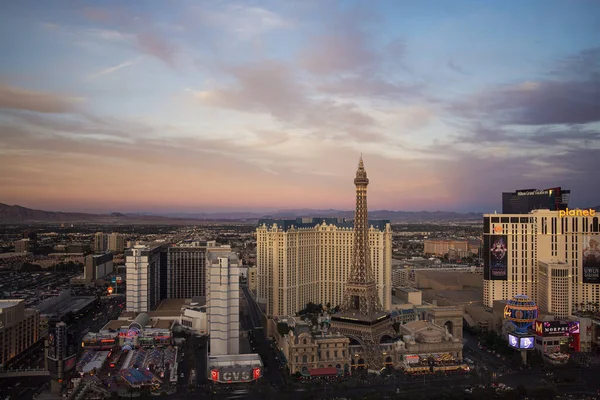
(11, 214)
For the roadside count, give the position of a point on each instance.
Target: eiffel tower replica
(361, 315)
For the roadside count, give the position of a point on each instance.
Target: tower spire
(361, 290)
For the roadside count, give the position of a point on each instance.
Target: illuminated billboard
(556, 328)
(513, 341)
(591, 259)
(496, 257)
(526, 343)
(235, 375)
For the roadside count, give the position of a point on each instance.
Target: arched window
(304, 341)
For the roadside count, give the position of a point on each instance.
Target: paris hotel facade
(309, 259)
(550, 255)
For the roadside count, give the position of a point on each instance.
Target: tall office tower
(145, 266)
(532, 254)
(116, 243)
(308, 260)
(100, 242)
(526, 200)
(224, 303)
(362, 317)
(186, 271)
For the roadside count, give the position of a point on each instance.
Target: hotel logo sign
(577, 213)
(535, 192)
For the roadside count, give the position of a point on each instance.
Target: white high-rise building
(309, 259)
(551, 256)
(223, 302)
(144, 265)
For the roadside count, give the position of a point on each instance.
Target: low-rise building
(307, 350)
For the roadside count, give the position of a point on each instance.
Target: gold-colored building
(309, 259)
(19, 328)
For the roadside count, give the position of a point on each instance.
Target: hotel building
(439, 247)
(224, 303)
(97, 266)
(551, 256)
(100, 242)
(116, 243)
(186, 271)
(309, 259)
(145, 277)
(19, 328)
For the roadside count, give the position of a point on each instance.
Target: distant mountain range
(17, 214)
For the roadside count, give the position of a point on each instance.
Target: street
(272, 371)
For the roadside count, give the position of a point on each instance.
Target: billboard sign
(591, 259)
(526, 343)
(513, 341)
(411, 359)
(496, 248)
(235, 375)
(534, 192)
(556, 328)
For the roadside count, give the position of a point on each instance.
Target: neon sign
(577, 213)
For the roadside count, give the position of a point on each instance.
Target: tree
(282, 328)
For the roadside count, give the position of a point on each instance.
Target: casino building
(308, 260)
(551, 256)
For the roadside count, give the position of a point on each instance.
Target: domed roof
(430, 335)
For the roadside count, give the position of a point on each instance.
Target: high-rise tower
(361, 289)
(362, 318)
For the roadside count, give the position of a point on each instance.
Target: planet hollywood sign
(245, 375)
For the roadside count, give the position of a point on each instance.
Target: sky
(204, 106)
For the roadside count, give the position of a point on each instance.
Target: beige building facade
(439, 247)
(309, 260)
(19, 328)
(551, 256)
(252, 278)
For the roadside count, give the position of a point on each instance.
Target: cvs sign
(235, 376)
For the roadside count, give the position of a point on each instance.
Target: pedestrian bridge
(16, 373)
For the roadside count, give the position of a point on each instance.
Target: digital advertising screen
(591, 259)
(556, 328)
(513, 341)
(526, 343)
(498, 257)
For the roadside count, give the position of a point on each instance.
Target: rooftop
(352, 317)
(9, 303)
(172, 304)
(299, 223)
(408, 289)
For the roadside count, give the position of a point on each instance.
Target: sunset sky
(194, 106)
